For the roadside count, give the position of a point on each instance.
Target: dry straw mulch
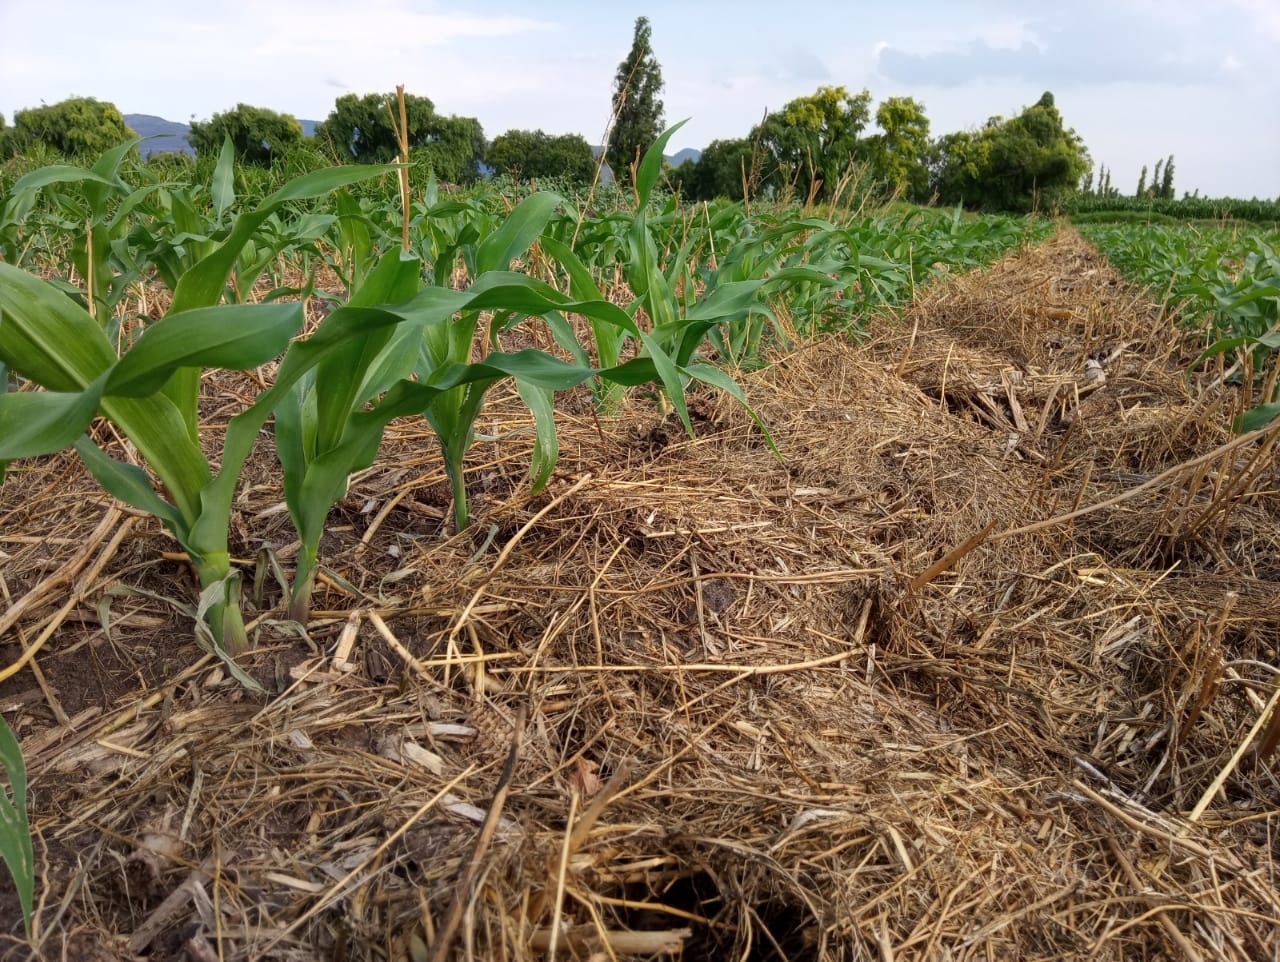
(979, 670)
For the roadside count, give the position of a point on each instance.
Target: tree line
(359, 129)
(811, 149)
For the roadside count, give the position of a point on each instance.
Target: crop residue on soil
(762, 709)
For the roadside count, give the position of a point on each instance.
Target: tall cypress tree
(637, 110)
(1166, 182)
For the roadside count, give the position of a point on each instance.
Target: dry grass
(695, 698)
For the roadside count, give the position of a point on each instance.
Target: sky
(1137, 79)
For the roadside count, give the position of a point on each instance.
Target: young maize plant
(1225, 286)
(151, 393)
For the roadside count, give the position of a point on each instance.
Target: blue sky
(1138, 79)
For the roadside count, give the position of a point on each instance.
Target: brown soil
(979, 669)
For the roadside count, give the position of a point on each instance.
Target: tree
(1142, 182)
(453, 148)
(78, 126)
(812, 140)
(719, 172)
(257, 134)
(1166, 182)
(1012, 164)
(963, 160)
(359, 128)
(637, 110)
(900, 153)
(532, 153)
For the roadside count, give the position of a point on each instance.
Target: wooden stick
(951, 558)
(1158, 480)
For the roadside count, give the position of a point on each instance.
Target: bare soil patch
(977, 670)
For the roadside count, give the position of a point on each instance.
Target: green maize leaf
(15, 830)
(1230, 305)
(202, 286)
(534, 367)
(234, 337)
(356, 242)
(517, 233)
(581, 281)
(546, 445)
(379, 358)
(1271, 341)
(1258, 417)
(223, 188)
(712, 375)
(727, 299)
(58, 174)
(47, 337)
(817, 274)
(632, 373)
(691, 338)
(108, 166)
(130, 484)
(33, 423)
(295, 428)
(651, 165)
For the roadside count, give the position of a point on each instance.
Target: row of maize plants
(656, 294)
(1224, 287)
(647, 295)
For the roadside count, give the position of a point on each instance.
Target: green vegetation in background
(1186, 208)
(816, 148)
(74, 127)
(527, 154)
(362, 130)
(1224, 286)
(1029, 161)
(258, 135)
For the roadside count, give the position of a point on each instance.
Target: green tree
(1166, 182)
(453, 149)
(637, 109)
(900, 153)
(1142, 182)
(961, 165)
(257, 134)
(1012, 164)
(533, 153)
(360, 129)
(78, 126)
(812, 141)
(719, 172)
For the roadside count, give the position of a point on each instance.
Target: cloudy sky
(1138, 79)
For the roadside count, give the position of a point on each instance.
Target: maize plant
(1224, 287)
(151, 392)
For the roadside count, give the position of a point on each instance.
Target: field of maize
(398, 573)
